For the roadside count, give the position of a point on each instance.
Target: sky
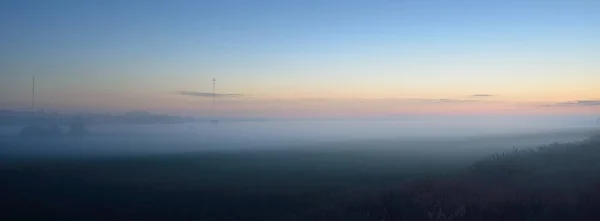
(302, 58)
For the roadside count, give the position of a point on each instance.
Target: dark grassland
(553, 182)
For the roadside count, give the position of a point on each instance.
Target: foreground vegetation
(552, 182)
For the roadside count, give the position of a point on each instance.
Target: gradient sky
(303, 58)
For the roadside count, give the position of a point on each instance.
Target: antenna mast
(214, 121)
(33, 96)
(214, 80)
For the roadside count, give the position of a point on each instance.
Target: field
(368, 180)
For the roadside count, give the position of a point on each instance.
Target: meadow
(504, 177)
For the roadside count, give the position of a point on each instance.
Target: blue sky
(122, 55)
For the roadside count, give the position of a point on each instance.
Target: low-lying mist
(256, 170)
(476, 134)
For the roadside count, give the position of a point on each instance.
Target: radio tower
(214, 121)
(33, 96)
(214, 81)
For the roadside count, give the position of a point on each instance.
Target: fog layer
(425, 134)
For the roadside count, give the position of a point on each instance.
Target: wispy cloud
(577, 103)
(482, 95)
(409, 100)
(443, 100)
(207, 94)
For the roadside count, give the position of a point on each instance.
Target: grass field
(554, 182)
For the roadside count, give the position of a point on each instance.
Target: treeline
(40, 117)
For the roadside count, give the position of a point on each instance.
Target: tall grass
(559, 181)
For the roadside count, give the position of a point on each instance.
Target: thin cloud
(577, 103)
(447, 100)
(207, 94)
(421, 100)
(427, 100)
(482, 95)
(453, 101)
